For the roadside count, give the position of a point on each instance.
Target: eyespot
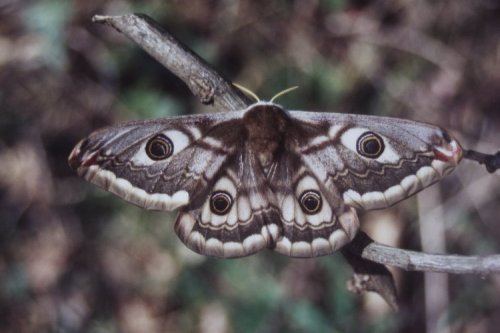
(310, 202)
(370, 145)
(159, 147)
(220, 202)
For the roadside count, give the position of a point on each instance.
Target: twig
(443, 263)
(490, 161)
(203, 81)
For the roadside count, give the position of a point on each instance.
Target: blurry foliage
(76, 259)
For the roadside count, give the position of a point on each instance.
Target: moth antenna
(281, 93)
(247, 91)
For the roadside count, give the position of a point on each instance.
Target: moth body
(265, 127)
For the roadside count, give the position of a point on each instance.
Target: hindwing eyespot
(310, 202)
(220, 202)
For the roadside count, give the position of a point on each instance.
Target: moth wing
(248, 224)
(315, 220)
(414, 155)
(117, 160)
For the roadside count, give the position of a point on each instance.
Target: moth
(266, 177)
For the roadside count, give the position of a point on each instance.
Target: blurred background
(74, 258)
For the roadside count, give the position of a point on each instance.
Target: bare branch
(203, 81)
(442, 263)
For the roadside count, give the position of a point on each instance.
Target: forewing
(415, 155)
(115, 158)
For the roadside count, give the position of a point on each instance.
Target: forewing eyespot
(370, 145)
(159, 147)
(220, 202)
(310, 202)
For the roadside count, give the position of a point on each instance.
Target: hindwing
(314, 219)
(236, 216)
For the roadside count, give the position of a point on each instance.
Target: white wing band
(123, 188)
